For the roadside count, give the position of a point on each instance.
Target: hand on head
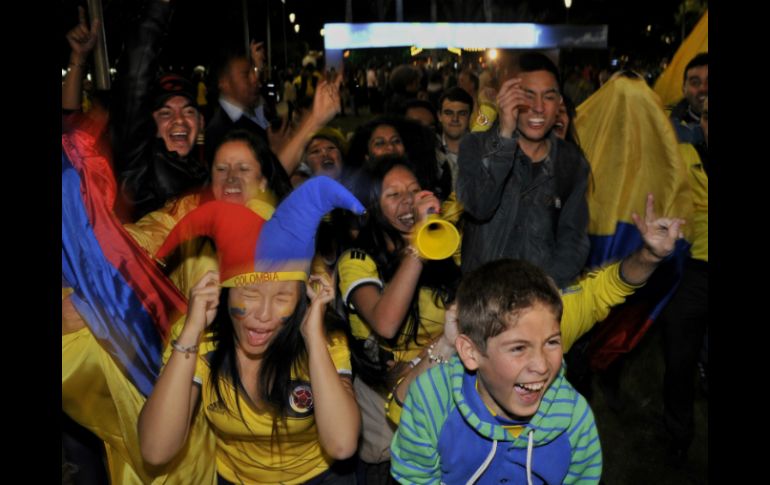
(203, 301)
(511, 101)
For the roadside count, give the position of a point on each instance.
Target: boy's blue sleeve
(414, 450)
(586, 462)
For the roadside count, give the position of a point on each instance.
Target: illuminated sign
(463, 35)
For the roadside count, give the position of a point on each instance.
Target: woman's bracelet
(191, 349)
(414, 252)
(436, 358)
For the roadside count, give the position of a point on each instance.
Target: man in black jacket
(156, 124)
(523, 188)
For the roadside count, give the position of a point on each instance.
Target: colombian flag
(632, 148)
(127, 302)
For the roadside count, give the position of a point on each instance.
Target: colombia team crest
(300, 399)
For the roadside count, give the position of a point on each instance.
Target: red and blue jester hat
(252, 250)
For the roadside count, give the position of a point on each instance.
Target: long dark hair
(571, 135)
(442, 276)
(419, 145)
(285, 353)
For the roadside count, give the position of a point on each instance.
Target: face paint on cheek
(238, 312)
(287, 310)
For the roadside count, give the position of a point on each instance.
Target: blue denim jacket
(507, 215)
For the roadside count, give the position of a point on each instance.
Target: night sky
(200, 26)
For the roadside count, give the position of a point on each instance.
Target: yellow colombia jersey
(250, 454)
(98, 396)
(356, 268)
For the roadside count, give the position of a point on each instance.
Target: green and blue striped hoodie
(448, 435)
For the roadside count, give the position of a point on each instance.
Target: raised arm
(165, 418)
(326, 104)
(385, 310)
(336, 412)
(132, 111)
(659, 235)
(486, 158)
(591, 299)
(82, 41)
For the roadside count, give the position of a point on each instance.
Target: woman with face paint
(254, 352)
(99, 390)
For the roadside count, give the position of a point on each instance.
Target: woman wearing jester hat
(273, 383)
(112, 346)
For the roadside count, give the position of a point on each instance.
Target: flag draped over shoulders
(125, 299)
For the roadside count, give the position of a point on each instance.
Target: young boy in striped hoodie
(501, 410)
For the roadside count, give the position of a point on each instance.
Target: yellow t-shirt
(356, 268)
(251, 454)
(590, 300)
(513, 429)
(698, 230)
(98, 396)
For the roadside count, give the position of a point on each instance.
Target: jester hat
(253, 250)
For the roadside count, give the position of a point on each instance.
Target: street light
(323, 32)
(567, 4)
(292, 17)
(296, 28)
